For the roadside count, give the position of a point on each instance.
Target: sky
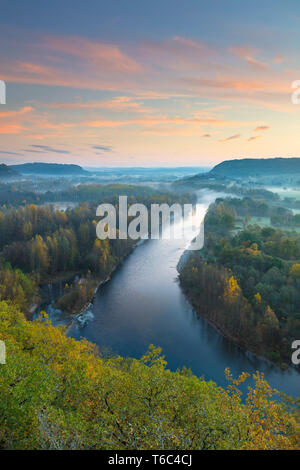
(148, 83)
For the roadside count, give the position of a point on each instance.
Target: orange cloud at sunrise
(148, 98)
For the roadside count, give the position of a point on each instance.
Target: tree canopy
(58, 393)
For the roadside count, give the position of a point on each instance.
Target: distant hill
(7, 172)
(257, 167)
(50, 169)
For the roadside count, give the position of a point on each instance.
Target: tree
(295, 270)
(57, 393)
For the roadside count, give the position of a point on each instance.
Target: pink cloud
(12, 114)
(254, 137)
(11, 122)
(169, 68)
(246, 53)
(119, 103)
(176, 53)
(262, 128)
(167, 121)
(232, 137)
(107, 56)
(278, 59)
(10, 128)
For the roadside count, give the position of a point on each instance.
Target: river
(143, 304)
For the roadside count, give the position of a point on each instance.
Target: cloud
(106, 56)
(261, 128)
(52, 126)
(47, 148)
(232, 137)
(247, 54)
(176, 53)
(6, 152)
(36, 69)
(12, 120)
(86, 64)
(20, 112)
(11, 129)
(105, 123)
(165, 120)
(254, 137)
(119, 103)
(191, 43)
(71, 62)
(278, 59)
(172, 67)
(104, 148)
(230, 83)
(172, 87)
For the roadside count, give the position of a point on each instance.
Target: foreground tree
(57, 393)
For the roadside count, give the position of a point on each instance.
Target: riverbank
(240, 285)
(183, 260)
(143, 304)
(85, 315)
(58, 303)
(226, 334)
(216, 325)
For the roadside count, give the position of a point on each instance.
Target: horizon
(148, 86)
(110, 167)
(151, 167)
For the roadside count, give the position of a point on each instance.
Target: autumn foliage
(247, 283)
(58, 393)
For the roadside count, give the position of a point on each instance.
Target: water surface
(143, 304)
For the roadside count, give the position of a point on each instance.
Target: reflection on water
(143, 304)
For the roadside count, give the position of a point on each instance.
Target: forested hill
(257, 167)
(59, 393)
(7, 172)
(49, 169)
